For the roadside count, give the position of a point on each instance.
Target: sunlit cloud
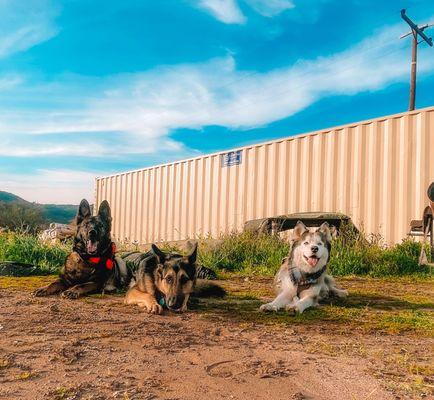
(25, 24)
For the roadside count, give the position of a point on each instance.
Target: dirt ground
(98, 348)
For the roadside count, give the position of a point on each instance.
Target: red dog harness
(107, 260)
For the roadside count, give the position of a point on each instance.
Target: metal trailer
(376, 172)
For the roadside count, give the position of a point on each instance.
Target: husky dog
(302, 280)
(92, 266)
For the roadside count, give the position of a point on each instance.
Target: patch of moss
(28, 283)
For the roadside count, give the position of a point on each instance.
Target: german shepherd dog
(92, 266)
(302, 280)
(165, 280)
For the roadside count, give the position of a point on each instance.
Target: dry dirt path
(97, 348)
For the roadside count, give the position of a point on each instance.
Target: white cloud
(141, 110)
(226, 11)
(51, 186)
(270, 8)
(25, 24)
(229, 11)
(9, 81)
(136, 113)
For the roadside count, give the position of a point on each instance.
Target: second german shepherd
(165, 280)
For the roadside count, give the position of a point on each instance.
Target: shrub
(247, 253)
(352, 254)
(26, 248)
(243, 252)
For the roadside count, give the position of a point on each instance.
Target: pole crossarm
(418, 29)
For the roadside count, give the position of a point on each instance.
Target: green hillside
(9, 198)
(62, 213)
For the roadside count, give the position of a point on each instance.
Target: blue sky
(89, 88)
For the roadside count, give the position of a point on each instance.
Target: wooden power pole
(416, 31)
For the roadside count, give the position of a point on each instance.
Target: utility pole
(416, 31)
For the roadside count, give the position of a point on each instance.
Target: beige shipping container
(377, 172)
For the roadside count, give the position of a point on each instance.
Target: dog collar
(106, 260)
(305, 279)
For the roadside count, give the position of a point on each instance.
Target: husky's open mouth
(312, 260)
(91, 247)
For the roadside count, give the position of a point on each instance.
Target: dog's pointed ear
(299, 229)
(192, 252)
(325, 230)
(83, 211)
(160, 254)
(104, 212)
(333, 232)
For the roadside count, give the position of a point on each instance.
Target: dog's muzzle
(174, 303)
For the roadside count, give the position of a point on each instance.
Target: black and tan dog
(167, 280)
(92, 266)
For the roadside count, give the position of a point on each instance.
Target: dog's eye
(169, 279)
(184, 279)
(306, 243)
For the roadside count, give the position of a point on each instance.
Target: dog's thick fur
(166, 280)
(308, 257)
(92, 239)
(161, 279)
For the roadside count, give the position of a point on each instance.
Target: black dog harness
(304, 280)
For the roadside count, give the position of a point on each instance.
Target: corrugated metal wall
(377, 172)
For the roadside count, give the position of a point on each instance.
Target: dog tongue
(91, 247)
(313, 261)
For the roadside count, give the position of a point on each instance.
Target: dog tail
(206, 288)
(15, 268)
(205, 273)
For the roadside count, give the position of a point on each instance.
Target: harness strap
(305, 280)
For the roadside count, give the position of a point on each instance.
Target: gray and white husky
(302, 280)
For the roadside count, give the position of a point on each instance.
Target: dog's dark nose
(314, 249)
(171, 301)
(92, 234)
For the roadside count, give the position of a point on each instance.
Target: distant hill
(62, 213)
(9, 198)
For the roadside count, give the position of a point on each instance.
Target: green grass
(352, 254)
(26, 248)
(374, 305)
(244, 252)
(249, 254)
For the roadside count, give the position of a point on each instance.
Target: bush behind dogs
(27, 248)
(247, 253)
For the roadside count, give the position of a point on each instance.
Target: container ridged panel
(376, 171)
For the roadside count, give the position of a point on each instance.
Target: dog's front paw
(340, 293)
(183, 309)
(155, 309)
(290, 308)
(299, 307)
(269, 307)
(70, 294)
